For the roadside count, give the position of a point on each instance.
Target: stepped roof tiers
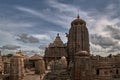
(55, 50)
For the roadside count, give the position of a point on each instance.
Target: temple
(81, 65)
(55, 51)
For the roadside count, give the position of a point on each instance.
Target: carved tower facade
(55, 50)
(78, 37)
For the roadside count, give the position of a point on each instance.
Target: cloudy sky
(30, 25)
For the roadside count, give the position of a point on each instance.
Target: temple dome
(78, 21)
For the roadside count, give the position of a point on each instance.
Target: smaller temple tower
(17, 67)
(55, 50)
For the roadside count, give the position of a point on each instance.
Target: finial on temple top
(78, 14)
(57, 34)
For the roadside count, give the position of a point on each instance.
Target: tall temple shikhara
(78, 37)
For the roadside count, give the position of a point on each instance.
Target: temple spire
(57, 34)
(78, 14)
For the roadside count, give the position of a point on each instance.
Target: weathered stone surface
(55, 51)
(17, 67)
(1, 64)
(78, 37)
(40, 67)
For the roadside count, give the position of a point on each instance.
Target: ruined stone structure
(58, 72)
(37, 62)
(17, 67)
(40, 66)
(33, 60)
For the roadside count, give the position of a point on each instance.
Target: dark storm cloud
(115, 48)
(114, 31)
(10, 47)
(109, 41)
(25, 38)
(104, 42)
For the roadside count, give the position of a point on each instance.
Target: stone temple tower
(78, 37)
(17, 67)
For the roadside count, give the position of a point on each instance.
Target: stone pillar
(17, 67)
